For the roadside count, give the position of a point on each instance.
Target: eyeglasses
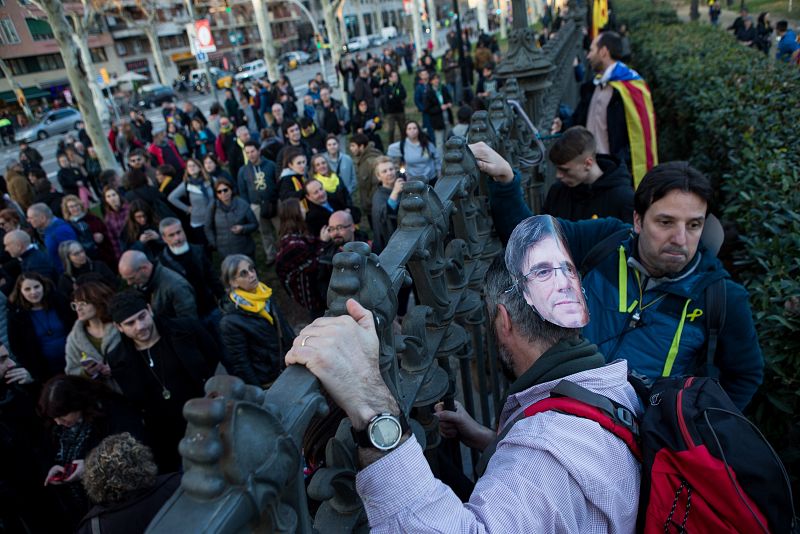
(245, 272)
(543, 274)
(223, 190)
(77, 305)
(339, 228)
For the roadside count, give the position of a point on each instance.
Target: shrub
(732, 114)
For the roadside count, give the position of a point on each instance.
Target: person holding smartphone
(93, 335)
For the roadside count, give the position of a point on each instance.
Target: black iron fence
(242, 451)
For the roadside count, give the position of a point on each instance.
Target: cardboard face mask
(538, 258)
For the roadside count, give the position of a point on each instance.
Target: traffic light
(227, 6)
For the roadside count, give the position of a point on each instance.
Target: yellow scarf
(256, 302)
(165, 183)
(329, 183)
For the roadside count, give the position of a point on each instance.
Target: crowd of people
(123, 293)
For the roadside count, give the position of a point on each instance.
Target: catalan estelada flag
(640, 119)
(599, 16)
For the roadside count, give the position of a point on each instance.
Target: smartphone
(65, 474)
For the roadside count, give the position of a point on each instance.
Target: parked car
(295, 58)
(358, 43)
(224, 79)
(390, 32)
(54, 122)
(378, 40)
(153, 94)
(253, 69)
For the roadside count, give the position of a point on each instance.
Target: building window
(98, 55)
(8, 33)
(40, 29)
(122, 50)
(33, 64)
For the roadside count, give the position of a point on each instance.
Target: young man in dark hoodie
(591, 185)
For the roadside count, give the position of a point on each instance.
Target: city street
(299, 78)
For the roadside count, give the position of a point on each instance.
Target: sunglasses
(223, 190)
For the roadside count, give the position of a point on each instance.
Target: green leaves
(734, 115)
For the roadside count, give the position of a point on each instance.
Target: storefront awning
(10, 97)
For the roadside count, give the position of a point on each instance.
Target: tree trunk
(265, 31)
(376, 14)
(431, 8)
(334, 41)
(14, 86)
(417, 20)
(79, 37)
(62, 31)
(158, 58)
(694, 10)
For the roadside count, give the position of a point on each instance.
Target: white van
(254, 69)
(389, 32)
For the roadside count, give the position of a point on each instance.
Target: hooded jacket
(611, 195)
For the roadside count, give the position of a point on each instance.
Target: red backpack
(705, 467)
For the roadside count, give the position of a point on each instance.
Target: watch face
(385, 432)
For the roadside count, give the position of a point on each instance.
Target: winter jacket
(66, 283)
(20, 189)
(133, 515)
(78, 344)
(219, 220)
(35, 260)
(611, 195)
(153, 198)
(365, 173)
(344, 168)
(297, 267)
(394, 98)
(420, 164)
(618, 142)
(201, 195)
(290, 185)
(258, 185)
(738, 357)
(68, 178)
(22, 339)
(170, 294)
(384, 219)
(54, 234)
(254, 349)
(205, 282)
(433, 107)
(330, 117)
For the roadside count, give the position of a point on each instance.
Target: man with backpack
(549, 472)
(657, 296)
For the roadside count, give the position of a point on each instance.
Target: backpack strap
(716, 311)
(570, 398)
(602, 250)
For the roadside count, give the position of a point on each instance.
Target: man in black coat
(592, 186)
(191, 262)
(160, 364)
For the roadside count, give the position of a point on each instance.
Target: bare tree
(147, 21)
(83, 21)
(78, 79)
(330, 8)
(265, 32)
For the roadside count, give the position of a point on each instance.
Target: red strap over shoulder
(580, 409)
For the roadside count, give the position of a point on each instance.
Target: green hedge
(732, 114)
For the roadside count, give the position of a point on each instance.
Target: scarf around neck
(254, 302)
